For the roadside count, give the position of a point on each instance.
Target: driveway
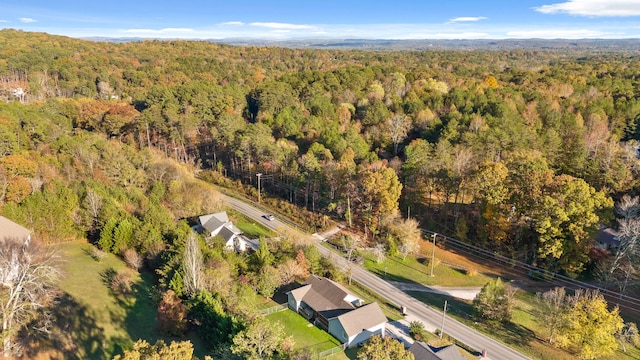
(466, 293)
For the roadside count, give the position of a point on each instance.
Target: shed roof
(11, 230)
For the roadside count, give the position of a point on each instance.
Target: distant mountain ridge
(422, 44)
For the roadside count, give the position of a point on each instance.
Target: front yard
(306, 335)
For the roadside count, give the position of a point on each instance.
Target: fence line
(273, 309)
(327, 353)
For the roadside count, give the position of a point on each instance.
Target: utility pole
(444, 311)
(259, 175)
(349, 210)
(433, 253)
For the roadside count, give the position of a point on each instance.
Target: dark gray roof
(450, 352)
(228, 232)
(422, 351)
(608, 236)
(212, 222)
(327, 297)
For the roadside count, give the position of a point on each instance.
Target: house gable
(360, 324)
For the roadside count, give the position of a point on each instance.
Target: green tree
(387, 348)
(122, 236)
(380, 191)
(564, 220)
(589, 326)
(216, 325)
(267, 281)
(493, 303)
(142, 350)
(263, 255)
(260, 340)
(106, 235)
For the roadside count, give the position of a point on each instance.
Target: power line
(519, 267)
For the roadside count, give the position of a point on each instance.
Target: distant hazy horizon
(331, 19)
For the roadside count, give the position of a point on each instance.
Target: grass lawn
(102, 324)
(524, 333)
(418, 270)
(305, 335)
(251, 229)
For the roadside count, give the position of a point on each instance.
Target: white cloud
(27, 20)
(159, 31)
(467, 19)
(232, 23)
(556, 34)
(4, 21)
(593, 8)
(275, 25)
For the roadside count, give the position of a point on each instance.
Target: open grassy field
(525, 332)
(418, 270)
(97, 322)
(251, 229)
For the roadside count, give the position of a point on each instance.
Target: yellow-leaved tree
(589, 327)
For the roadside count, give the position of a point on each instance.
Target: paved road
(431, 318)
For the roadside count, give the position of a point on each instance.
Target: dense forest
(520, 151)
(523, 152)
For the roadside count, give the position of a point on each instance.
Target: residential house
(9, 230)
(422, 351)
(333, 308)
(607, 239)
(218, 224)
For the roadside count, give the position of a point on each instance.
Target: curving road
(427, 315)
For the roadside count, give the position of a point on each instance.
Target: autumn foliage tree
(384, 348)
(172, 314)
(589, 327)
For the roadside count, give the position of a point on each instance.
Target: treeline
(521, 151)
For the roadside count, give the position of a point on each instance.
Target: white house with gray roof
(333, 308)
(218, 224)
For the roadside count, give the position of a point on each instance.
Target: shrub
(133, 259)
(97, 254)
(172, 314)
(416, 330)
(121, 282)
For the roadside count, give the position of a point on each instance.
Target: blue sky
(285, 19)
